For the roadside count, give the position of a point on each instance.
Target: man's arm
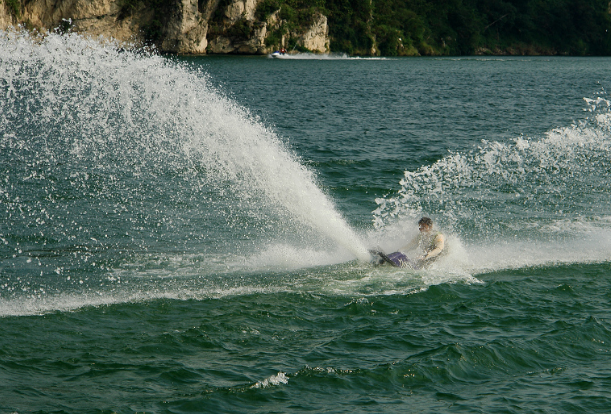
(439, 245)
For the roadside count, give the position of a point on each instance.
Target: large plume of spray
(108, 112)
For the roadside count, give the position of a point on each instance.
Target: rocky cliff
(174, 26)
(355, 27)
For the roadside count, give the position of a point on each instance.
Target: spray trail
(525, 202)
(117, 134)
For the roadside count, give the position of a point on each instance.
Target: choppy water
(189, 234)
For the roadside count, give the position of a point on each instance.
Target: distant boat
(279, 54)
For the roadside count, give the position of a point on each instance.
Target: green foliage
(241, 29)
(459, 27)
(274, 39)
(15, 7)
(389, 40)
(442, 27)
(349, 26)
(288, 13)
(266, 8)
(412, 27)
(295, 16)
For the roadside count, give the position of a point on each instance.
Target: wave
(526, 202)
(128, 178)
(322, 56)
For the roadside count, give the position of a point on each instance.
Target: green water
(186, 235)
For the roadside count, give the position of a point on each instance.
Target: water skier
(429, 243)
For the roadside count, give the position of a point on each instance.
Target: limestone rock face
(316, 38)
(6, 16)
(240, 31)
(241, 13)
(241, 9)
(183, 26)
(93, 17)
(254, 45)
(186, 30)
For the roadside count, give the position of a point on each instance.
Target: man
(429, 244)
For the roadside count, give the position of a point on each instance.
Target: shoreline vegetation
(462, 27)
(355, 27)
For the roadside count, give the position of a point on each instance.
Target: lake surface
(191, 235)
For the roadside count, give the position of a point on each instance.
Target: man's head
(425, 224)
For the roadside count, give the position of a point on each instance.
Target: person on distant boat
(429, 242)
(283, 51)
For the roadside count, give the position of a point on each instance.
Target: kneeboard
(382, 258)
(396, 259)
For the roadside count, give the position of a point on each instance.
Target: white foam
(97, 95)
(274, 380)
(524, 202)
(286, 257)
(323, 56)
(69, 302)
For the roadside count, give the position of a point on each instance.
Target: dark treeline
(459, 27)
